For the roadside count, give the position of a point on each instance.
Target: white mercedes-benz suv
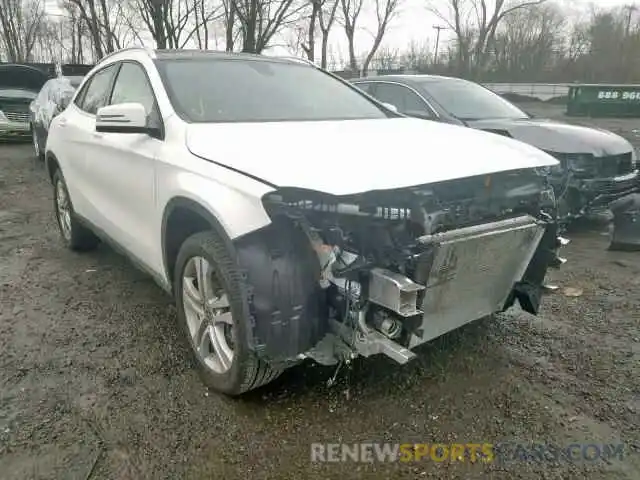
(291, 215)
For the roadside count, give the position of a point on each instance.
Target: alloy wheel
(208, 315)
(63, 210)
(36, 144)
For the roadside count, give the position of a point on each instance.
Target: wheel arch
(51, 164)
(183, 217)
(287, 306)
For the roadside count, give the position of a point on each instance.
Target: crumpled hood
(22, 77)
(558, 137)
(355, 156)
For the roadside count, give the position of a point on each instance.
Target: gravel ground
(95, 382)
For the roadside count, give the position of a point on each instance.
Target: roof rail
(147, 50)
(298, 60)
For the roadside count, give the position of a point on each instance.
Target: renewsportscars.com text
(503, 452)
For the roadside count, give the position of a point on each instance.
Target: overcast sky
(414, 22)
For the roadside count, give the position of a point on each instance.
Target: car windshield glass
(246, 90)
(470, 101)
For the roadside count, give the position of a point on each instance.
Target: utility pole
(630, 10)
(438, 28)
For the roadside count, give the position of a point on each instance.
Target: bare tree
(319, 15)
(206, 14)
(528, 43)
(326, 19)
(260, 20)
(386, 10)
(102, 18)
(229, 7)
(386, 58)
(475, 24)
(309, 45)
(418, 57)
(351, 10)
(20, 25)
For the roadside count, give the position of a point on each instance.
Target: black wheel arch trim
(48, 158)
(287, 307)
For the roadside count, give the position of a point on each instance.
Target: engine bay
(393, 269)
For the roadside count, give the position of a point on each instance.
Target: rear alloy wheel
(212, 309)
(75, 235)
(36, 143)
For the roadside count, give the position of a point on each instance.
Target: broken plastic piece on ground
(572, 292)
(626, 223)
(550, 288)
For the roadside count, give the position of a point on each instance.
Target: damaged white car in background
(389, 233)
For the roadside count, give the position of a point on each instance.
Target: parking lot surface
(95, 381)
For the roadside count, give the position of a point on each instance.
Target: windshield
(470, 101)
(245, 90)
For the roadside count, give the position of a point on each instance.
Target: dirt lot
(96, 384)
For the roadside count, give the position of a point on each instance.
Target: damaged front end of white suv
(335, 277)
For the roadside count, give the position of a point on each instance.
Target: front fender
(233, 200)
(286, 303)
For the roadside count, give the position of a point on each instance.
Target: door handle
(62, 122)
(97, 135)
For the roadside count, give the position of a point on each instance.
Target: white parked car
(290, 215)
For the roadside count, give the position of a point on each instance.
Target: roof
(410, 79)
(204, 54)
(178, 54)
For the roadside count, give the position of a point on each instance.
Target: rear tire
(224, 361)
(36, 144)
(74, 235)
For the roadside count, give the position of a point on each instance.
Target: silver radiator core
(474, 271)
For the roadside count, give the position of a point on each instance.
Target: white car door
(122, 170)
(80, 141)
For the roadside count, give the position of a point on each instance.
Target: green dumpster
(602, 100)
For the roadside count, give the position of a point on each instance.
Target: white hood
(355, 156)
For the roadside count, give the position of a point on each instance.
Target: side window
(365, 87)
(132, 85)
(413, 103)
(404, 99)
(80, 97)
(96, 91)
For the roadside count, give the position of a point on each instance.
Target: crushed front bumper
(598, 193)
(468, 274)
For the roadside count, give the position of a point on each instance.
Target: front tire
(213, 311)
(74, 235)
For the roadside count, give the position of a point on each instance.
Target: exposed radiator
(474, 271)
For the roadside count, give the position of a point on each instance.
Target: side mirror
(122, 118)
(391, 107)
